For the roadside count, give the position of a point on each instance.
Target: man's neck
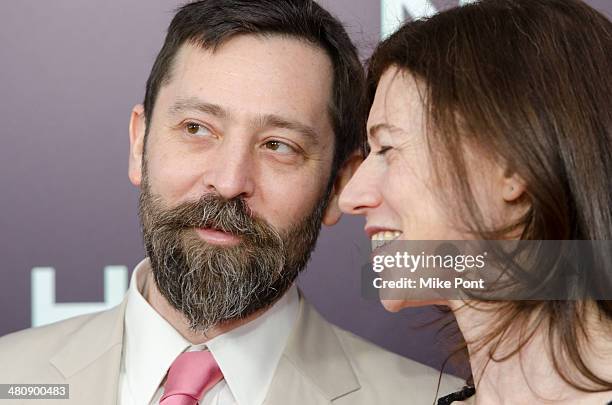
(179, 322)
(529, 376)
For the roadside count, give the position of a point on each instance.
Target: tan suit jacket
(322, 364)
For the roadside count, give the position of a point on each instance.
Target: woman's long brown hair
(529, 82)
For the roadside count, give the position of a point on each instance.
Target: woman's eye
(193, 128)
(278, 146)
(383, 150)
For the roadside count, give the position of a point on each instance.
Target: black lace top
(464, 394)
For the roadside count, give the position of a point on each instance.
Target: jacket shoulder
(41, 336)
(30, 349)
(392, 378)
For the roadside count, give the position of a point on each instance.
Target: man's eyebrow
(194, 104)
(276, 121)
(264, 121)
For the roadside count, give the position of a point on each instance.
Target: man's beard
(212, 284)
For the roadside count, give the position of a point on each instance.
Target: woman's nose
(362, 191)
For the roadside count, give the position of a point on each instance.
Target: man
(252, 112)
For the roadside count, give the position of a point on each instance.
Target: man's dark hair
(208, 23)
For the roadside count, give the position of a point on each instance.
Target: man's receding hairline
(213, 48)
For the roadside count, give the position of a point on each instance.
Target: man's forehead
(254, 74)
(249, 53)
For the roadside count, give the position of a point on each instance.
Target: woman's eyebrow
(374, 130)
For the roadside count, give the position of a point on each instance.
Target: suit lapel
(313, 368)
(91, 358)
(290, 386)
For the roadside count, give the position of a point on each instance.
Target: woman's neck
(529, 376)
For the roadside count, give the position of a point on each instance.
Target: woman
(493, 121)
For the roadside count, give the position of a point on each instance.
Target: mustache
(212, 211)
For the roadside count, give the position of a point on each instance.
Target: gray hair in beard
(212, 284)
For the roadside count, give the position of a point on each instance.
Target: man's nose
(230, 171)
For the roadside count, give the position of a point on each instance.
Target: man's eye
(193, 128)
(278, 146)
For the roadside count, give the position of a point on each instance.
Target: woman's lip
(372, 230)
(217, 237)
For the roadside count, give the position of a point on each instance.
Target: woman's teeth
(382, 238)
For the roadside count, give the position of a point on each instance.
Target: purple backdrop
(71, 71)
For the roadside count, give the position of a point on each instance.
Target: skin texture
(396, 191)
(249, 120)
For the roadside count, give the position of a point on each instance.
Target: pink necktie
(190, 376)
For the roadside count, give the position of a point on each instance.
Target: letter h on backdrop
(44, 308)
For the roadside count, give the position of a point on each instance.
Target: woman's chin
(398, 305)
(395, 305)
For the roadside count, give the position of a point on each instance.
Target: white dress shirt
(248, 355)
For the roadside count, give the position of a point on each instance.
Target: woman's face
(395, 187)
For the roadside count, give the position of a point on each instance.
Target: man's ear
(332, 212)
(137, 134)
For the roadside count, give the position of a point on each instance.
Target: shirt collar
(248, 355)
